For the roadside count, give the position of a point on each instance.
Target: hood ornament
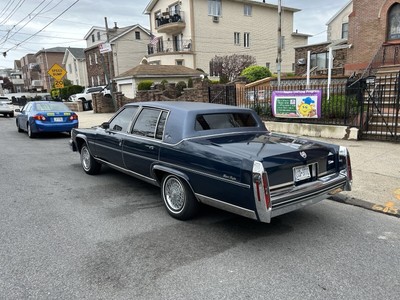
(303, 154)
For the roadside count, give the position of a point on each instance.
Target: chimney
(115, 25)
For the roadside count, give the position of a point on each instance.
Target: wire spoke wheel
(178, 198)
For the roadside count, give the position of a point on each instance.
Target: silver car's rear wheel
(89, 164)
(178, 198)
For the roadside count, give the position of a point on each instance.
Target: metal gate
(380, 109)
(222, 94)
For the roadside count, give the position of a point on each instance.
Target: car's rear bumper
(54, 127)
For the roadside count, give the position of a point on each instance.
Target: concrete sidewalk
(376, 169)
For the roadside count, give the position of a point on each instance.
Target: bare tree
(230, 66)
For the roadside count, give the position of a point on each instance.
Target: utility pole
(279, 57)
(110, 66)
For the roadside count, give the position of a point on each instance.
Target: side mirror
(105, 125)
(17, 110)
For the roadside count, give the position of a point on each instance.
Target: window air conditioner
(215, 19)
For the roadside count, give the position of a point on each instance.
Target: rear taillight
(345, 163)
(261, 192)
(261, 184)
(39, 117)
(73, 117)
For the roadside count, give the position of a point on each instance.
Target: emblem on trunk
(303, 154)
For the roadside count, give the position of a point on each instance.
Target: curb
(394, 212)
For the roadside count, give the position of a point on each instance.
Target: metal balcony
(170, 22)
(170, 47)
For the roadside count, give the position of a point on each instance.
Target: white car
(86, 94)
(6, 109)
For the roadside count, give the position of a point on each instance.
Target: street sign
(58, 84)
(104, 48)
(57, 72)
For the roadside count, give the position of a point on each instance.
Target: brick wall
(340, 58)
(367, 32)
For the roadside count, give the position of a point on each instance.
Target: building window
(268, 65)
(98, 80)
(95, 58)
(93, 81)
(247, 10)
(394, 22)
(345, 31)
(98, 35)
(319, 60)
(214, 8)
(70, 68)
(93, 40)
(236, 38)
(90, 59)
(246, 39)
(179, 62)
(137, 35)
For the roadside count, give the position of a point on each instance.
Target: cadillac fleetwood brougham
(218, 155)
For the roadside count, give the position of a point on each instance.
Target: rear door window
(150, 123)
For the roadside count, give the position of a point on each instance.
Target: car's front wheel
(178, 198)
(89, 164)
(19, 127)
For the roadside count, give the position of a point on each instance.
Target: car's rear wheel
(30, 133)
(178, 198)
(89, 164)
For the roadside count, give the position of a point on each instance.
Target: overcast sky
(27, 26)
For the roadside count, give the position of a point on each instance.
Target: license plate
(58, 119)
(301, 173)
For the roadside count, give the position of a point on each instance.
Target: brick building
(371, 27)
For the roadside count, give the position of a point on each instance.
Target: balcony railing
(170, 22)
(169, 17)
(170, 47)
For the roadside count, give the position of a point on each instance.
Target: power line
(64, 11)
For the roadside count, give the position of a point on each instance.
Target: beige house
(191, 33)
(127, 45)
(338, 25)
(75, 64)
(127, 82)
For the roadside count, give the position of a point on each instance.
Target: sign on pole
(57, 72)
(105, 47)
(58, 84)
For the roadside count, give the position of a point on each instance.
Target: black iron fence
(340, 104)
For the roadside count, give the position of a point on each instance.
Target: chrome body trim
(128, 172)
(227, 206)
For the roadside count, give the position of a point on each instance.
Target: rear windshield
(224, 120)
(51, 106)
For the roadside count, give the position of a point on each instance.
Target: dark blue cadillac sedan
(46, 116)
(217, 155)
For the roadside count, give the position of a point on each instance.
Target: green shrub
(339, 106)
(145, 85)
(180, 86)
(254, 73)
(190, 83)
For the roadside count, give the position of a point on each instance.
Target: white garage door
(126, 89)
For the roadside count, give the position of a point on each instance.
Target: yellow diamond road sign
(57, 72)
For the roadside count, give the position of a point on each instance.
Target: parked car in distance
(86, 95)
(218, 155)
(5, 99)
(46, 116)
(6, 109)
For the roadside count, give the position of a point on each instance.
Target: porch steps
(382, 102)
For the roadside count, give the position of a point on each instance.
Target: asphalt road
(68, 235)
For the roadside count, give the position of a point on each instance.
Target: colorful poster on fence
(297, 104)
